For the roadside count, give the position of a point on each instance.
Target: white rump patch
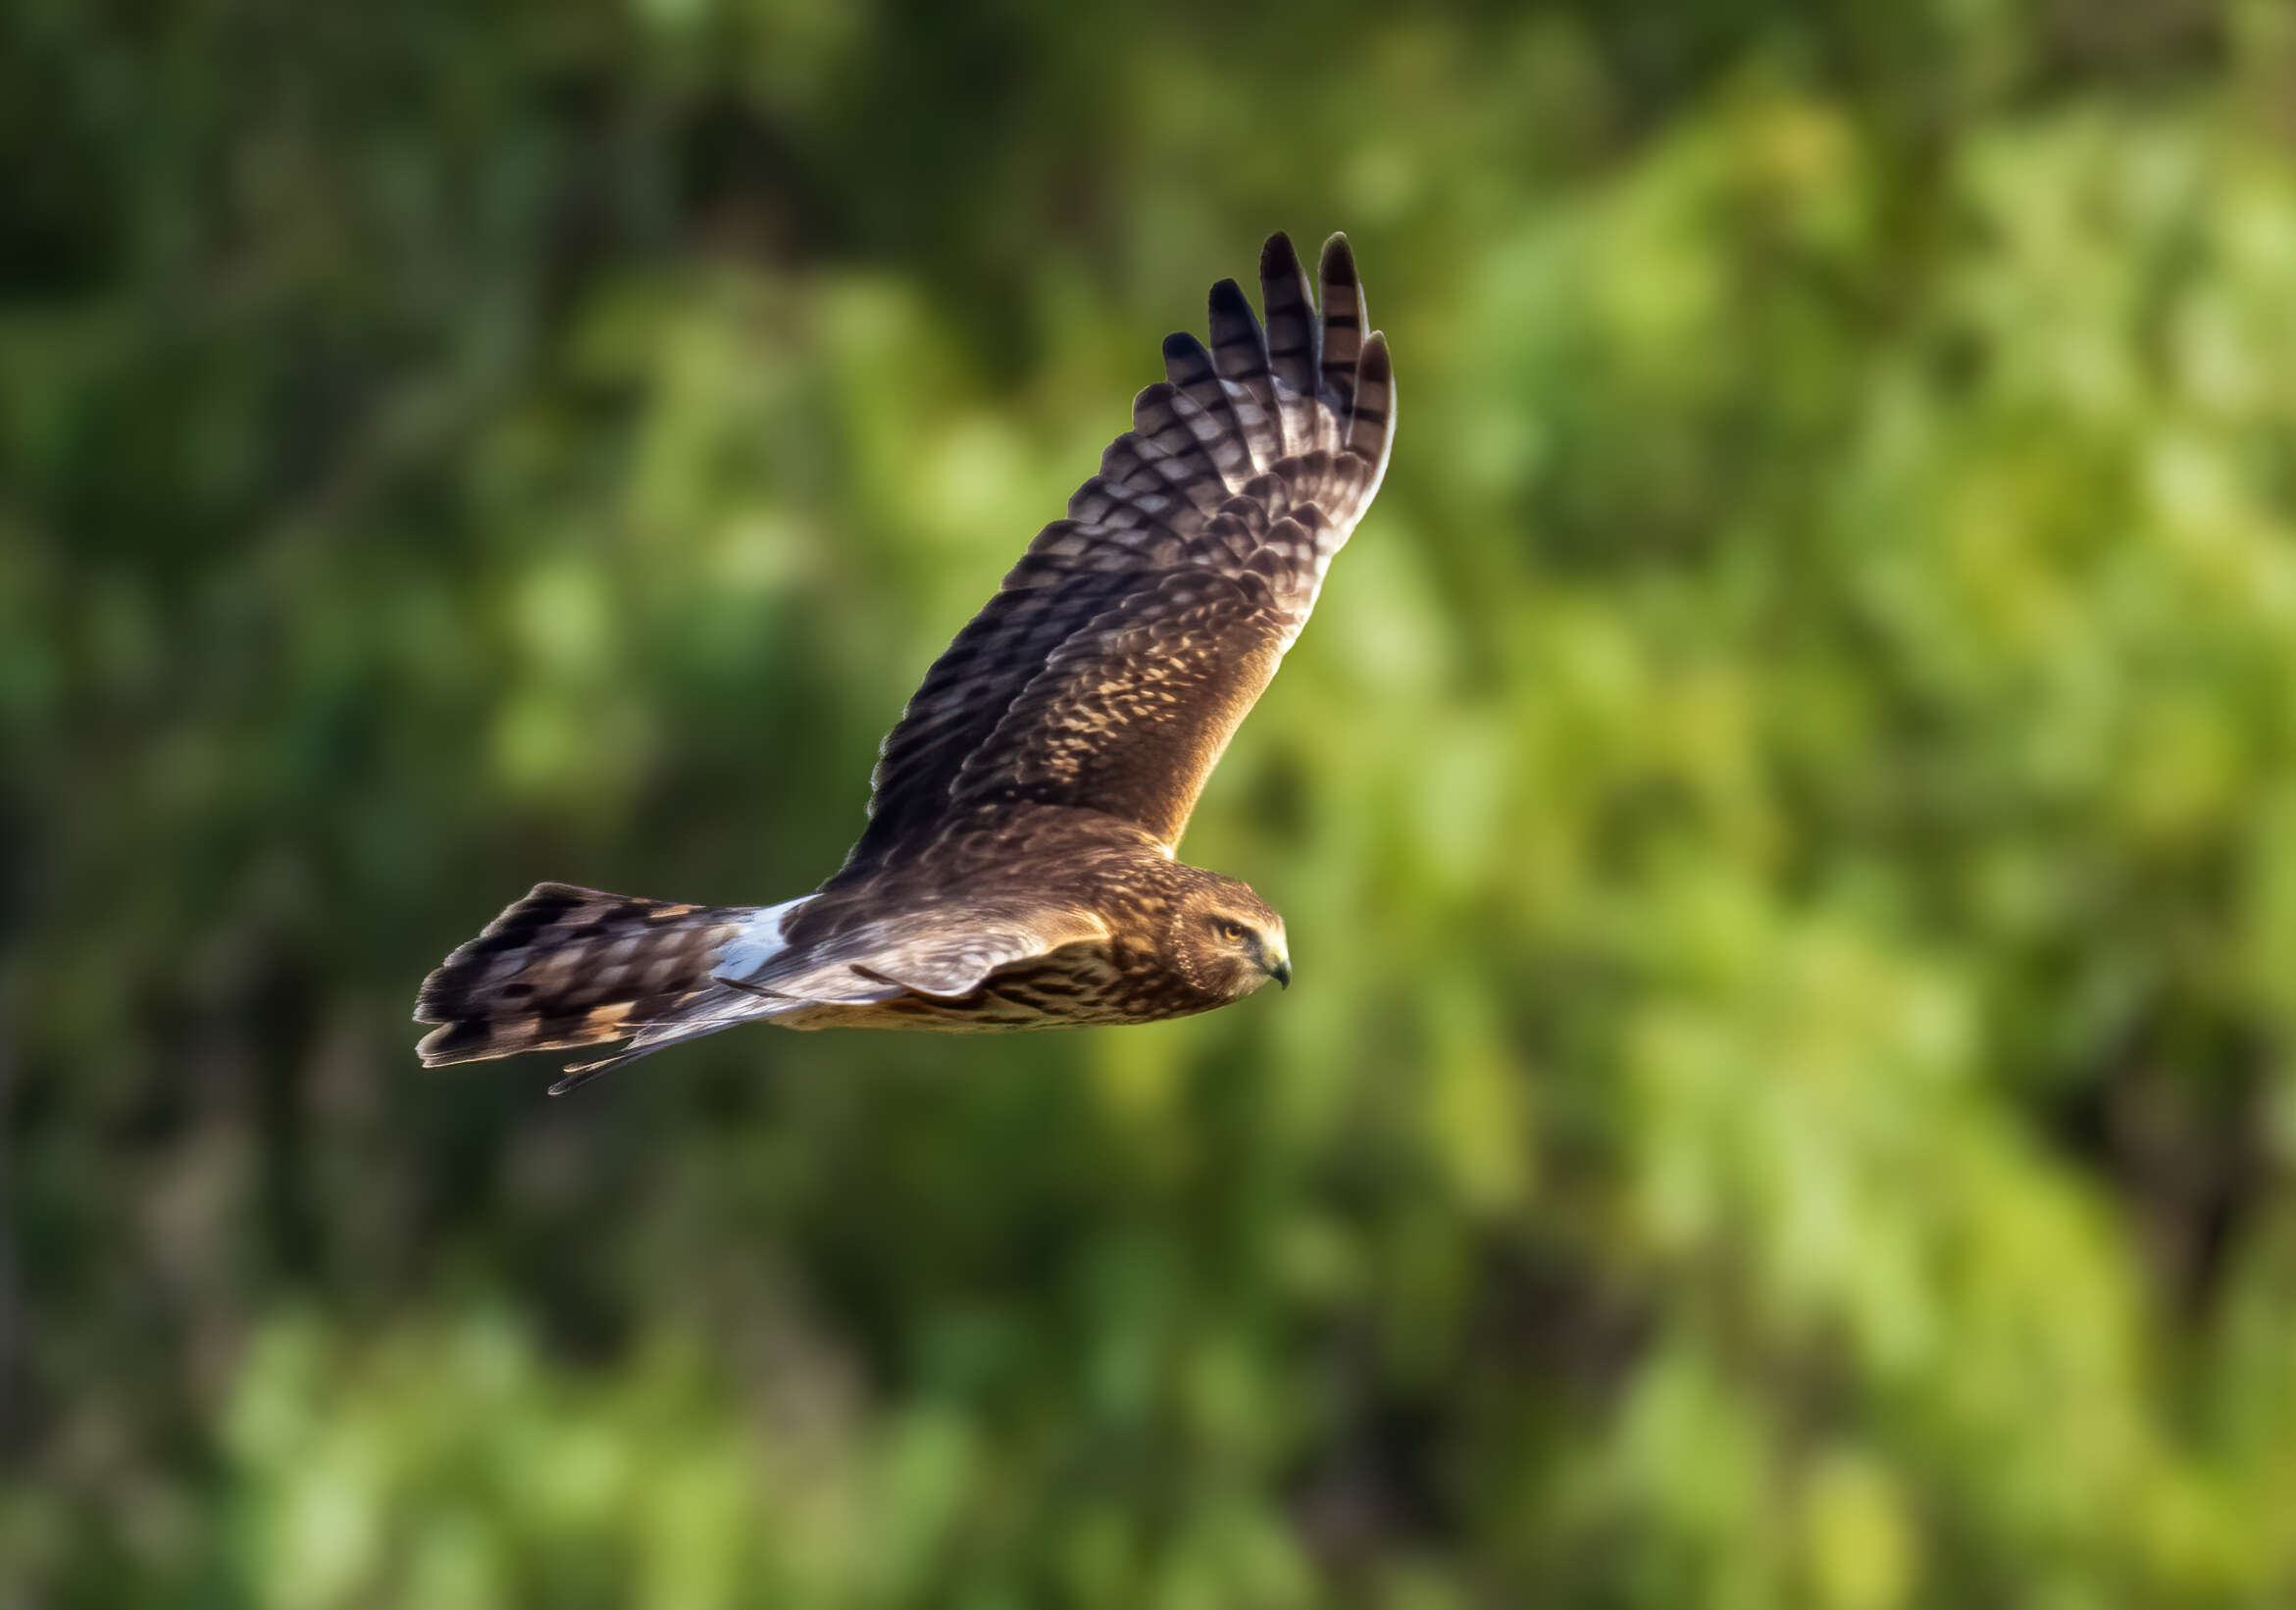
(759, 941)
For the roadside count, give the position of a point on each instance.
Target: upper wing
(1133, 636)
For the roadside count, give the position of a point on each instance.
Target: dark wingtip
(1277, 258)
(1180, 345)
(1230, 295)
(1374, 363)
(1338, 260)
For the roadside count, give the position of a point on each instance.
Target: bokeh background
(1786, 814)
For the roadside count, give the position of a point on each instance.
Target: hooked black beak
(1278, 968)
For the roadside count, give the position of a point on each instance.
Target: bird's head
(1226, 940)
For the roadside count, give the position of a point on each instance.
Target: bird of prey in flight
(1017, 870)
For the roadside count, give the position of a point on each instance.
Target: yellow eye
(1232, 933)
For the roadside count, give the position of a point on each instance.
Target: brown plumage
(1017, 870)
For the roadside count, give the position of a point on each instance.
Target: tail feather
(569, 966)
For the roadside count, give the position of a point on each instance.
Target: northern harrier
(1017, 870)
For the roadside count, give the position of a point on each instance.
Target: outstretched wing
(1134, 635)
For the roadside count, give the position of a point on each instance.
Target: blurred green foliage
(1786, 814)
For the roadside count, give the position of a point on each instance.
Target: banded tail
(569, 966)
